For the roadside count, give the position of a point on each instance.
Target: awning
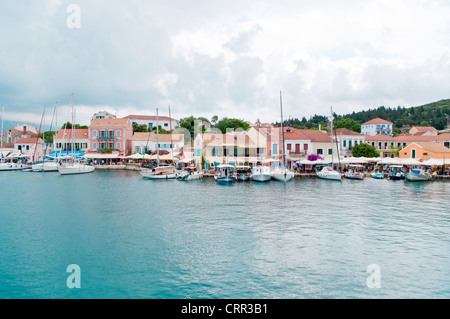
(436, 162)
(77, 154)
(101, 156)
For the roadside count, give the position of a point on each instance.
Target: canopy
(101, 156)
(139, 156)
(436, 162)
(389, 161)
(76, 154)
(410, 161)
(354, 160)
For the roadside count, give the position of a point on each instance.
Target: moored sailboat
(73, 165)
(281, 172)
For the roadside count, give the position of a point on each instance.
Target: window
(118, 145)
(305, 147)
(166, 124)
(297, 148)
(19, 147)
(320, 151)
(345, 143)
(118, 133)
(350, 144)
(330, 151)
(213, 152)
(413, 153)
(275, 148)
(94, 133)
(28, 147)
(94, 145)
(288, 146)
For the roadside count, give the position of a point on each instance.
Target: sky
(226, 58)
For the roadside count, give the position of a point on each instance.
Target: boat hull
(411, 177)
(283, 177)
(192, 177)
(12, 167)
(261, 177)
(378, 175)
(354, 176)
(76, 169)
(396, 177)
(226, 179)
(158, 176)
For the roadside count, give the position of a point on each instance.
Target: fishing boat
(189, 175)
(71, 165)
(377, 175)
(281, 172)
(225, 174)
(243, 172)
(418, 175)
(355, 172)
(160, 172)
(396, 173)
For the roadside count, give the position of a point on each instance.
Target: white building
(103, 115)
(26, 128)
(29, 147)
(377, 127)
(150, 121)
(347, 140)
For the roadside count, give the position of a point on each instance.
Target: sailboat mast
(157, 136)
(282, 131)
(170, 127)
(73, 124)
(39, 133)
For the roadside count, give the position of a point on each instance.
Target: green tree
(140, 127)
(214, 119)
(226, 123)
(365, 150)
(68, 125)
(348, 124)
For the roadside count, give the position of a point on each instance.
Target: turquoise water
(136, 238)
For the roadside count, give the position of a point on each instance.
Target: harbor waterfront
(139, 238)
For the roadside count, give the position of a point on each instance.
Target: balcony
(106, 138)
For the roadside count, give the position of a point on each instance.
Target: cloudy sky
(227, 58)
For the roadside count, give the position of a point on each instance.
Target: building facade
(108, 135)
(377, 127)
(150, 121)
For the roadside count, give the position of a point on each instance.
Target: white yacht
(75, 167)
(282, 174)
(328, 173)
(160, 172)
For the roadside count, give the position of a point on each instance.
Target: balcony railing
(106, 138)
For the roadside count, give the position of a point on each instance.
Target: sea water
(137, 238)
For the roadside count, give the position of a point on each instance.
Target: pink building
(111, 134)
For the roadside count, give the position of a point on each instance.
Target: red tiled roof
(109, 122)
(28, 140)
(345, 131)
(315, 136)
(377, 121)
(149, 117)
(424, 128)
(78, 134)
